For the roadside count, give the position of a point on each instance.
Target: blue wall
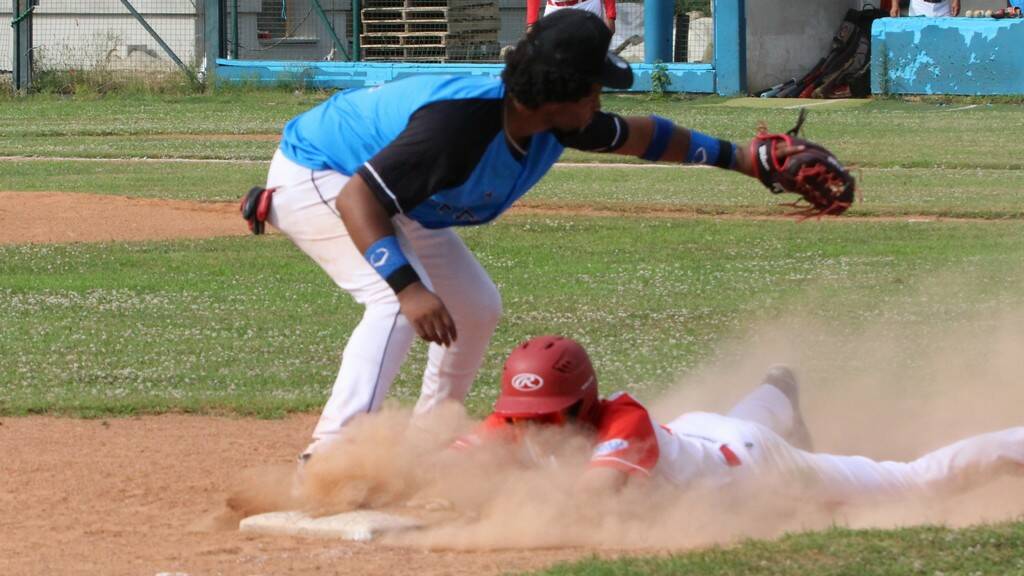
(947, 56)
(682, 77)
(727, 76)
(731, 47)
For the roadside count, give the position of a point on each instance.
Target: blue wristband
(387, 258)
(663, 129)
(705, 149)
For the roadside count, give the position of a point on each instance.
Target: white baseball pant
(922, 8)
(303, 209)
(755, 430)
(592, 6)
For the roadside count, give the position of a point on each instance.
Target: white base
(360, 525)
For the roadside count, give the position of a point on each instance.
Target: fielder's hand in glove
(788, 163)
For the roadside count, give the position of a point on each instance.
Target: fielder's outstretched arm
(782, 162)
(659, 140)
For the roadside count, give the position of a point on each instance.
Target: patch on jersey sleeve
(625, 436)
(610, 447)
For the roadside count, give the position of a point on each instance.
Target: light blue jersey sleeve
(350, 127)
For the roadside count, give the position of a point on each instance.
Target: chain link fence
(428, 30)
(152, 38)
(694, 31)
(389, 30)
(122, 35)
(288, 29)
(113, 39)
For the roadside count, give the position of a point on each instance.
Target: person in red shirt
(550, 381)
(605, 9)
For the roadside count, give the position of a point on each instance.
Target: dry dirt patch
(54, 217)
(130, 496)
(49, 217)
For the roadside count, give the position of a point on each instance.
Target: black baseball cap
(579, 40)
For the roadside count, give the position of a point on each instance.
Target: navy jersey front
(434, 147)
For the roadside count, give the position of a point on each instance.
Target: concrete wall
(947, 56)
(785, 37)
(6, 38)
(76, 34)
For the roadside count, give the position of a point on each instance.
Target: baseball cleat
(783, 378)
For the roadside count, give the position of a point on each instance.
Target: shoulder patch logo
(610, 447)
(527, 382)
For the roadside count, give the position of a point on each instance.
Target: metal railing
(150, 39)
(426, 30)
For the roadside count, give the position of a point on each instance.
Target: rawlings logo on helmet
(527, 382)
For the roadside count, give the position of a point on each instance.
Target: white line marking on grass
(968, 107)
(822, 103)
(86, 159)
(267, 162)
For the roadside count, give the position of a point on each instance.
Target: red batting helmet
(546, 375)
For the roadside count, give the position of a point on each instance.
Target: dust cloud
(890, 390)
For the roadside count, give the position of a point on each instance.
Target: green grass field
(147, 327)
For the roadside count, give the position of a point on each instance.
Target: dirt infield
(45, 217)
(135, 496)
(53, 217)
(142, 495)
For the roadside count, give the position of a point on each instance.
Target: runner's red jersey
(625, 438)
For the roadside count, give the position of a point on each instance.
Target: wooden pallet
(405, 53)
(433, 55)
(458, 4)
(428, 30)
(427, 26)
(488, 11)
(439, 39)
(403, 14)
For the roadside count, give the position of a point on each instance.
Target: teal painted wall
(698, 78)
(726, 76)
(730, 47)
(966, 56)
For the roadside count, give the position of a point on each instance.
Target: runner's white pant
(303, 209)
(768, 460)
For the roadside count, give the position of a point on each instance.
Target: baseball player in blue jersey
(371, 183)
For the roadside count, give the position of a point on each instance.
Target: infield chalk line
(86, 159)
(267, 162)
(822, 103)
(669, 165)
(968, 107)
(631, 166)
